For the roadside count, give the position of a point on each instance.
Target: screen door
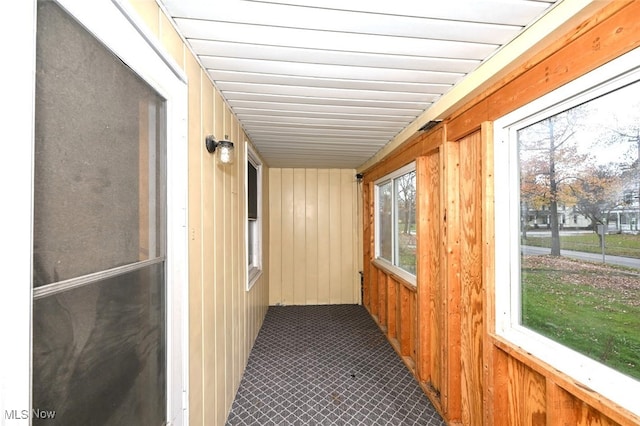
(99, 233)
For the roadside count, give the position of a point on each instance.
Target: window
(254, 217)
(568, 291)
(396, 222)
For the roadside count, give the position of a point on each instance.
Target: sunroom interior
(468, 172)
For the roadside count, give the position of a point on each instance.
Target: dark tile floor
(327, 365)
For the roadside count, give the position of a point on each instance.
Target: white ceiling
(327, 83)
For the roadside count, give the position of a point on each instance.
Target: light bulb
(225, 152)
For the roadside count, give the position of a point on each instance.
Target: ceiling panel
(243, 113)
(287, 67)
(332, 109)
(345, 21)
(313, 121)
(326, 92)
(326, 40)
(333, 57)
(508, 12)
(331, 83)
(388, 105)
(327, 83)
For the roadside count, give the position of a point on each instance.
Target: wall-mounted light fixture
(225, 148)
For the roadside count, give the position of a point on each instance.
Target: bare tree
(406, 188)
(549, 159)
(627, 131)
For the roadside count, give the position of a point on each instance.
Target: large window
(567, 212)
(254, 217)
(396, 221)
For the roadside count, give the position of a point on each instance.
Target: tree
(627, 131)
(406, 189)
(385, 204)
(549, 159)
(597, 191)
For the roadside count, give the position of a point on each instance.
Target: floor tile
(327, 365)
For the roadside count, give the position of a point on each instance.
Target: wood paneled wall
(224, 319)
(314, 238)
(473, 376)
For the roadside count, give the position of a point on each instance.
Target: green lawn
(615, 244)
(408, 259)
(407, 252)
(593, 310)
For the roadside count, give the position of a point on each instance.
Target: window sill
(581, 375)
(399, 274)
(252, 277)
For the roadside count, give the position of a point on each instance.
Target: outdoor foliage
(586, 157)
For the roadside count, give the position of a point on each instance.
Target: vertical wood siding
(473, 376)
(224, 318)
(471, 295)
(313, 237)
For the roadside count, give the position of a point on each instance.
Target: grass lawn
(407, 252)
(615, 244)
(593, 309)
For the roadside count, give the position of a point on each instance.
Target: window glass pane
(98, 352)
(251, 229)
(254, 222)
(99, 159)
(579, 215)
(405, 229)
(385, 221)
(252, 190)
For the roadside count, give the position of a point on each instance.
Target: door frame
(16, 182)
(140, 50)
